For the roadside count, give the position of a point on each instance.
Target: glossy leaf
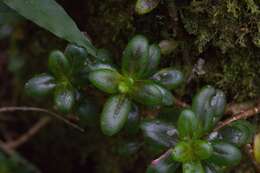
(160, 133)
(114, 114)
(169, 78)
(77, 57)
(209, 105)
(135, 56)
(211, 168)
(167, 97)
(202, 149)
(153, 60)
(257, 147)
(164, 164)
(145, 6)
(51, 16)
(188, 125)
(128, 148)
(64, 99)
(182, 152)
(192, 167)
(58, 64)
(147, 93)
(133, 120)
(40, 85)
(238, 133)
(225, 154)
(106, 80)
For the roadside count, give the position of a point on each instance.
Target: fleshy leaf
(188, 125)
(202, 149)
(135, 56)
(225, 154)
(58, 64)
(167, 97)
(106, 80)
(159, 132)
(209, 105)
(64, 98)
(153, 60)
(145, 6)
(169, 78)
(192, 167)
(133, 120)
(40, 86)
(114, 114)
(104, 56)
(257, 147)
(52, 17)
(238, 133)
(182, 152)
(212, 168)
(148, 93)
(164, 164)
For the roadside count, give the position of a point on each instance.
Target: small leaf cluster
(138, 81)
(197, 148)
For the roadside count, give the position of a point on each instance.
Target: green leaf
(64, 99)
(145, 6)
(106, 80)
(159, 132)
(169, 78)
(188, 125)
(225, 154)
(164, 164)
(202, 149)
(88, 112)
(40, 86)
(212, 168)
(58, 64)
(133, 120)
(192, 167)
(257, 147)
(135, 56)
(153, 60)
(148, 93)
(238, 133)
(77, 56)
(182, 152)
(209, 105)
(52, 17)
(167, 97)
(114, 114)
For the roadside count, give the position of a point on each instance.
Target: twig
(29, 134)
(243, 115)
(35, 109)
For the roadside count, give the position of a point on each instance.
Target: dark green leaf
(188, 125)
(153, 60)
(128, 148)
(51, 16)
(106, 80)
(169, 78)
(148, 93)
(202, 149)
(225, 154)
(135, 56)
(40, 85)
(145, 6)
(133, 121)
(160, 133)
(167, 97)
(115, 114)
(211, 168)
(58, 64)
(209, 105)
(64, 99)
(77, 57)
(192, 167)
(238, 133)
(164, 164)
